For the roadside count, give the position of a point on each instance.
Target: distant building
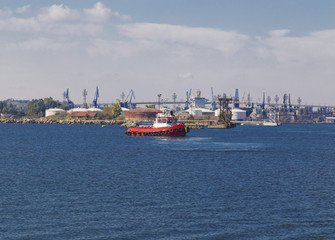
(197, 101)
(330, 119)
(200, 112)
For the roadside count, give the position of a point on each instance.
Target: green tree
(3, 107)
(37, 107)
(112, 112)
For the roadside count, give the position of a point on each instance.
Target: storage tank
(141, 113)
(124, 110)
(238, 115)
(93, 109)
(196, 112)
(77, 110)
(53, 111)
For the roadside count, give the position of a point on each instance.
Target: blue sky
(156, 46)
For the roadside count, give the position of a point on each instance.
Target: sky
(165, 47)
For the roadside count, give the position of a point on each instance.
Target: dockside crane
(285, 102)
(249, 101)
(84, 98)
(243, 103)
(236, 99)
(69, 103)
(289, 103)
(263, 103)
(213, 101)
(263, 107)
(188, 97)
(96, 96)
(127, 102)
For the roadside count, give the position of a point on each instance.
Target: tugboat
(165, 125)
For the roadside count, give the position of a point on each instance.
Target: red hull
(174, 131)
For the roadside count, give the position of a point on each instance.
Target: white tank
(53, 111)
(238, 115)
(196, 112)
(77, 110)
(94, 109)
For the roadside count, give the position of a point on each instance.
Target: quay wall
(66, 122)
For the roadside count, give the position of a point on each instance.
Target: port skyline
(119, 46)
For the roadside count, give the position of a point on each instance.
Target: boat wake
(206, 144)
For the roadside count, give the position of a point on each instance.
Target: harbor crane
(96, 96)
(236, 99)
(127, 102)
(188, 97)
(66, 97)
(213, 101)
(84, 98)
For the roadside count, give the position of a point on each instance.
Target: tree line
(37, 107)
(33, 108)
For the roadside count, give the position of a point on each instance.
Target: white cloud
(186, 75)
(5, 13)
(60, 20)
(99, 13)
(113, 48)
(33, 25)
(279, 33)
(316, 46)
(43, 44)
(83, 44)
(23, 9)
(14, 24)
(57, 13)
(227, 42)
(123, 18)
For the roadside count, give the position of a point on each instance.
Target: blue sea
(89, 182)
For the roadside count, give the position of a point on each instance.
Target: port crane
(213, 101)
(66, 96)
(127, 102)
(96, 96)
(236, 99)
(188, 97)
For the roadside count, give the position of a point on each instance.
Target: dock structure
(225, 114)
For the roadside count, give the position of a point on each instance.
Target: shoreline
(124, 123)
(61, 122)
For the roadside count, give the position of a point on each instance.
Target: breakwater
(192, 124)
(54, 121)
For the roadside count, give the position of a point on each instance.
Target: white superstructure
(164, 120)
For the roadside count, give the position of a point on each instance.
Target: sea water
(89, 182)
